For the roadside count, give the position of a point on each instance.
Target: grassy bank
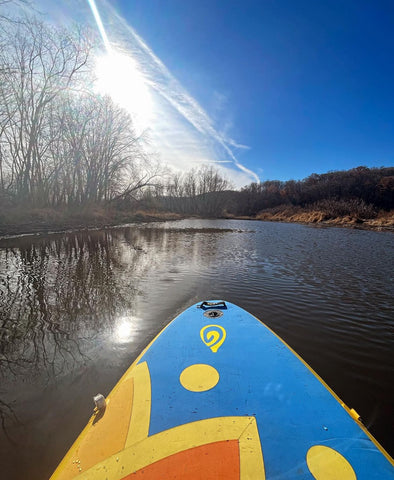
(19, 221)
(383, 221)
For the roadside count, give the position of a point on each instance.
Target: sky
(263, 89)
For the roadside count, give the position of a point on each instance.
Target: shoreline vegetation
(360, 198)
(384, 221)
(44, 221)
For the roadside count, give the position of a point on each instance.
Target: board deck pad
(217, 395)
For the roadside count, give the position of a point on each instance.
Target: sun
(118, 75)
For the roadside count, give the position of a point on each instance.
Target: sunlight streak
(118, 75)
(166, 85)
(100, 26)
(140, 82)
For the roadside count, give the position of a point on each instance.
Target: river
(77, 308)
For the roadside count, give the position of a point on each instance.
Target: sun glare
(124, 330)
(118, 76)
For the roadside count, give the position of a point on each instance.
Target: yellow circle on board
(199, 377)
(325, 463)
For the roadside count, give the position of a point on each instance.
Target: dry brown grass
(384, 220)
(284, 213)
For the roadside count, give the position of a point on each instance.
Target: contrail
(160, 79)
(186, 105)
(100, 26)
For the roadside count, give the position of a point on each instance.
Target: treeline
(61, 144)
(202, 191)
(361, 192)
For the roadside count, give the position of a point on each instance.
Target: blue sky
(274, 89)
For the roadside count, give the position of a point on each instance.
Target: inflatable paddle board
(217, 395)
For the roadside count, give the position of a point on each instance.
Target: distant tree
(198, 191)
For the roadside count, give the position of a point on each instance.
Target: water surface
(77, 308)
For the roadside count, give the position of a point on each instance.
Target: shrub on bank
(343, 208)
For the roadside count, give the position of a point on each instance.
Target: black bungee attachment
(206, 305)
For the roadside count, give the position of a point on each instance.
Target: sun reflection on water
(125, 329)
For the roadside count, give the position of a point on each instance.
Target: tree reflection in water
(57, 294)
(64, 295)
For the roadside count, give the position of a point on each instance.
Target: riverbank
(34, 221)
(384, 221)
(17, 222)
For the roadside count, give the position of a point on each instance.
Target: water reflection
(76, 309)
(63, 295)
(125, 329)
(55, 295)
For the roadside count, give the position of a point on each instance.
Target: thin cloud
(161, 80)
(181, 130)
(237, 145)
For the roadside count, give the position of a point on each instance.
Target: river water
(77, 308)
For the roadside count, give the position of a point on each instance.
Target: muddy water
(77, 308)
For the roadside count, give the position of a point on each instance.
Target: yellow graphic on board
(326, 463)
(199, 377)
(120, 425)
(213, 336)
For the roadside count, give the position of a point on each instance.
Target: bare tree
(38, 63)
(96, 155)
(4, 16)
(198, 191)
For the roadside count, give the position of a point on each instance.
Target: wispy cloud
(180, 129)
(162, 81)
(237, 145)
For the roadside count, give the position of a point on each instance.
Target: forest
(61, 144)
(360, 192)
(67, 151)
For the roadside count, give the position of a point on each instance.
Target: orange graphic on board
(218, 460)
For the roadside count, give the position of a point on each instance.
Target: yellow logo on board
(213, 336)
